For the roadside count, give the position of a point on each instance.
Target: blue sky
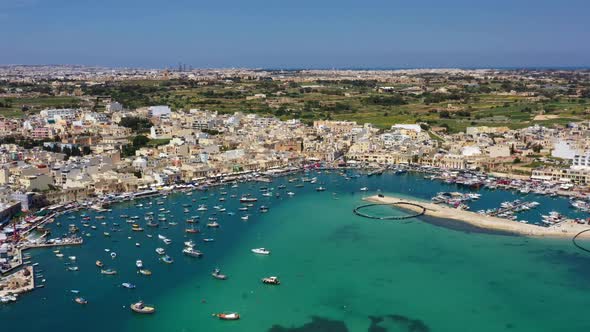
(296, 34)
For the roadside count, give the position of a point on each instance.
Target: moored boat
(218, 275)
(141, 308)
(271, 281)
(190, 251)
(108, 272)
(228, 316)
(81, 300)
(261, 251)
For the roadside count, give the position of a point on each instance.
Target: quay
(25, 247)
(567, 228)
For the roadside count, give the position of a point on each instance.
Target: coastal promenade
(564, 229)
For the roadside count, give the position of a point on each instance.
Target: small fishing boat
(213, 224)
(320, 189)
(208, 240)
(109, 272)
(128, 285)
(244, 217)
(160, 251)
(248, 199)
(167, 241)
(217, 274)
(99, 264)
(167, 259)
(228, 316)
(73, 268)
(60, 255)
(191, 230)
(81, 300)
(271, 281)
(145, 272)
(261, 251)
(137, 229)
(139, 263)
(141, 308)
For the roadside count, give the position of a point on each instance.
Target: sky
(296, 34)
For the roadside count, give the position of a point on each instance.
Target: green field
(342, 100)
(15, 106)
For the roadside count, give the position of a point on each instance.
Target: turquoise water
(339, 272)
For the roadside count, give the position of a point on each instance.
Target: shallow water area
(338, 271)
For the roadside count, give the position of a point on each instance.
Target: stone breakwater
(567, 228)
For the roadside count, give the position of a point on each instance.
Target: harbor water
(338, 271)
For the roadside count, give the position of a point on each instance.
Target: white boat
(160, 251)
(139, 263)
(248, 199)
(161, 237)
(167, 241)
(189, 243)
(364, 189)
(244, 217)
(190, 251)
(128, 285)
(261, 251)
(290, 193)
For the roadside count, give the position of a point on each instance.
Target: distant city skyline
(298, 35)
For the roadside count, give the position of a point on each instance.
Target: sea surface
(339, 272)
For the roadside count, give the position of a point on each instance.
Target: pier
(358, 212)
(567, 228)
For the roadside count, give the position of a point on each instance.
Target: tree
(444, 114)
(140, 141)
